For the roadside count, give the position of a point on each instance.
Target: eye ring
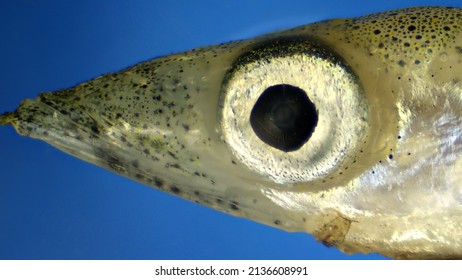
(340, 105)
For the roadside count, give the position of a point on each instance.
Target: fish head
(347, 129)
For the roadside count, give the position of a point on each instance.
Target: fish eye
(284, 117)
(293, 111)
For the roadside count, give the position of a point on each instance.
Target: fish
(346, 129)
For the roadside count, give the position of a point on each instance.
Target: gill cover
(348, 129)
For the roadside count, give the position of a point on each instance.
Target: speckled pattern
(139, 112)
(396, 192)
(407, 36)
(413, 30)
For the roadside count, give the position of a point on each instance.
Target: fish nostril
(284, 117)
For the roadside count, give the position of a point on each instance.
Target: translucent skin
(398, 193)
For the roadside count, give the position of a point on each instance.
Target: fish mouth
(40, 119)
(7, 118)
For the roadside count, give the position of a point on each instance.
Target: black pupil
(284, 117)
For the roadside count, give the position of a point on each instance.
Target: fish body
(377, 173)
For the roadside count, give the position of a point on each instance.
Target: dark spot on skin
(175, 165)
(172, 155)
(233, 162)
(446, 28)
(175, 189)
(411, 28)
(197, 193)
(156, 98)
(408, 154)
(197, 173)
(234, 205)
(158, 183)
(277, 222)
(406, 44)
(94, 129)
(390, 156)
(135, 164)
(417, 61)
(219, 200)
(186, 127)
(139, 176)
(401, 63)
(399, 136)
(377, 32)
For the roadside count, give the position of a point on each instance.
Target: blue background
(54, 206)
